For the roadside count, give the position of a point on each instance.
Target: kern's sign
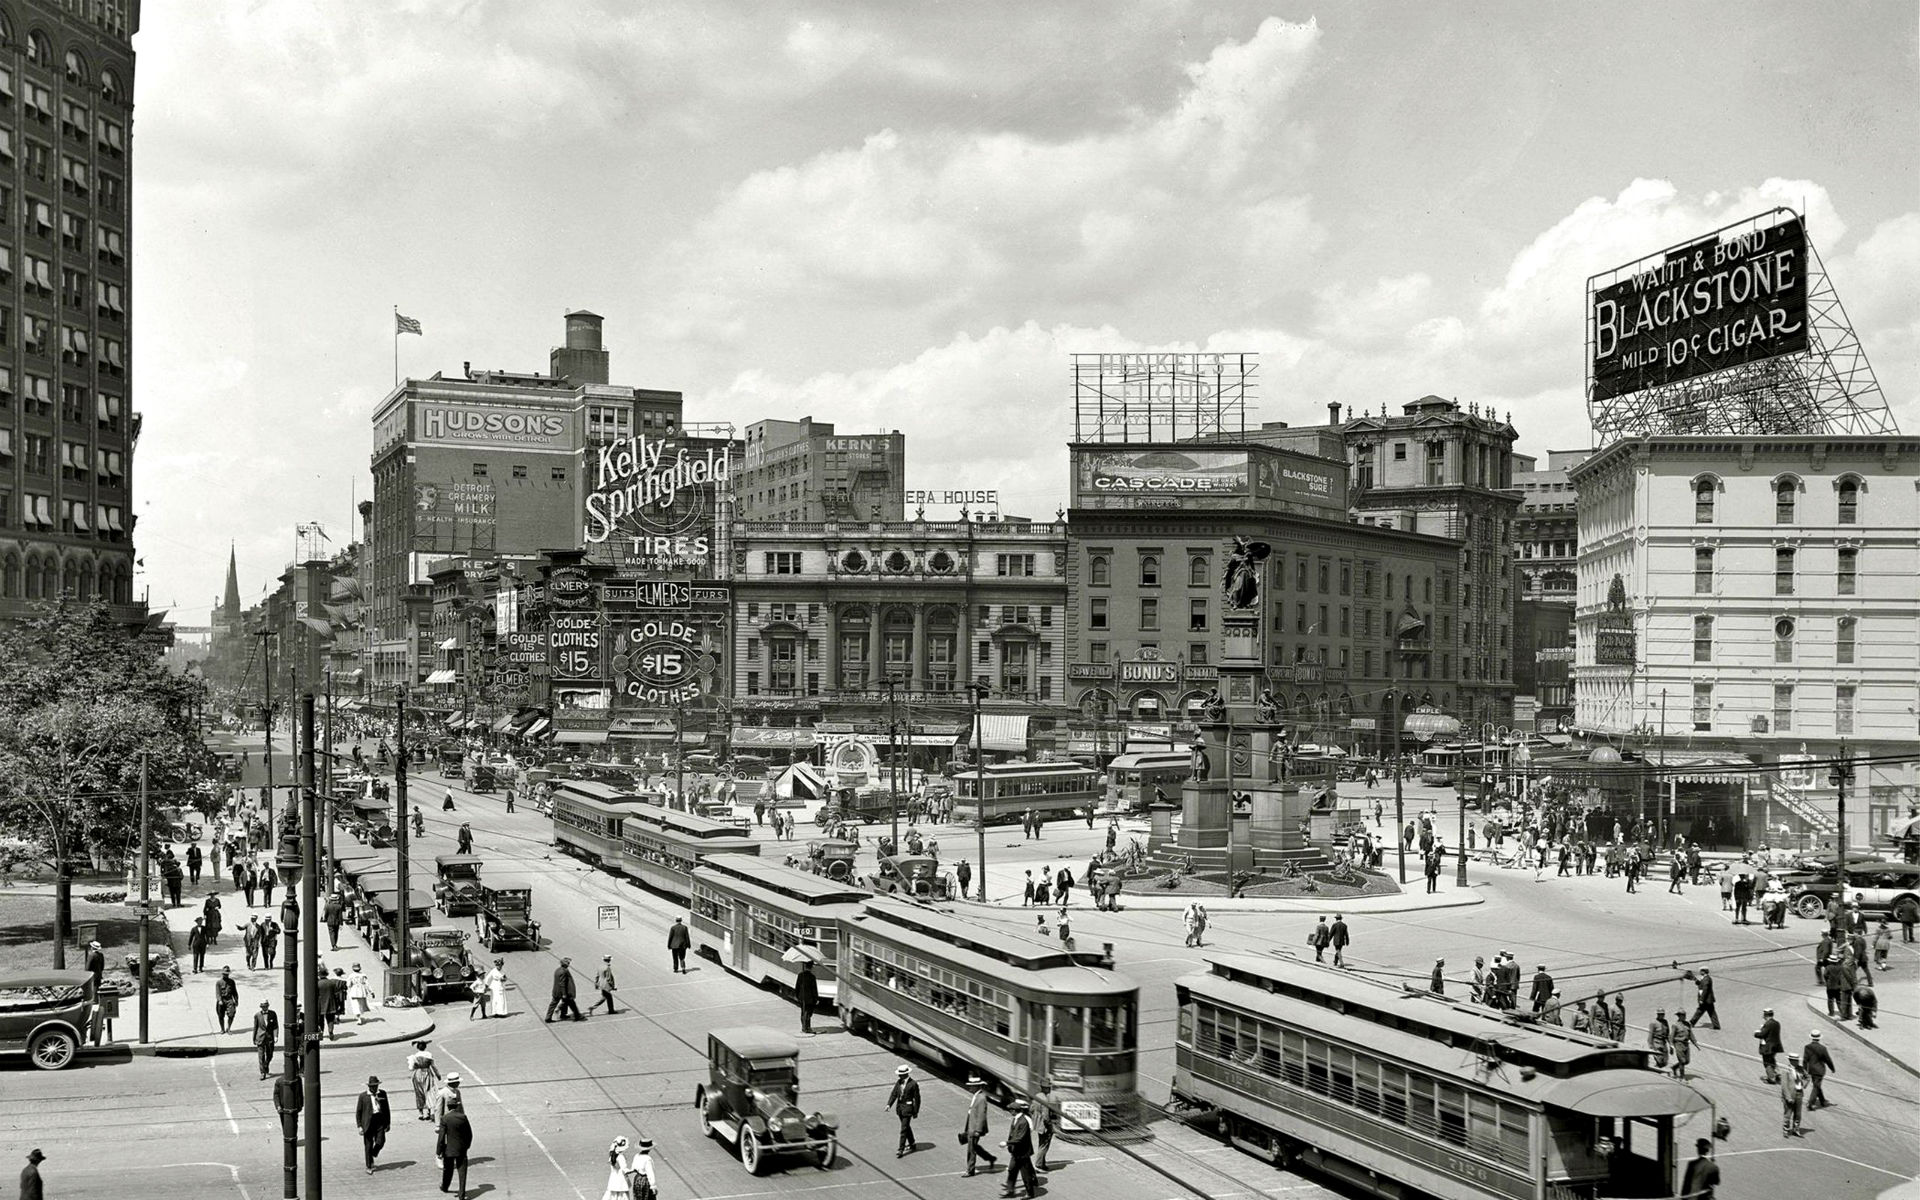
(491, 425)
(1734, 297)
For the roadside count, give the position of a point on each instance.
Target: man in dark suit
(1542, 988)
(197, 943)
(1019, 1146)
(678, 939)
(266, 1031)
(456, 1140)
(1771, 1046)
(806, 993)
(904, 1100)
(374, 1117)
(336, 916)
(563, 993)
(975, 1126)
(194, 861)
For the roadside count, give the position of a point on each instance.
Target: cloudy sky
(909, 216)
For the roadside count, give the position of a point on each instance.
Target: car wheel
(750, 1156)
(706, 1119)
(1810, 906)
(53, 1049)
(829, 1152)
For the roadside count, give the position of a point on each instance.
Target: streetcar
(1133, 777)
(1006, 791)
(660, 847)
(587, 819)
(748, 913)
(1013, 1007)
(1440, 765)
(1396, 1091)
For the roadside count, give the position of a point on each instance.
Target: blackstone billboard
(1736, 296)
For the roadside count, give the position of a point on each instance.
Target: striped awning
(444, 675)
(580, 737)
(537, 728)
(1003, 733)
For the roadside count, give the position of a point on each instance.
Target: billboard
(455, 514)
(1163, 471)
(652, 502)
(1736, 296)
(440, 423)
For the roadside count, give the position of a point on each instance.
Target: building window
(986, 653)
(479, 470)
(1702, 707)
(1097, 613)
(1197, 653)
(1097, 651)
(1783, 571)
(1843, 709)
(1346, 579)
(1097, 571)
(1399, 452)
(559, 475)
(1436, 463)
(1149, 570)
(1300, 575)
(1783, 708)
(1013, 565)
(782, 562)
(519, 470)
(1149, 613)
(1703, 639)
(1196, 571)
(1848, 576)
(1703, 570)
(753, 683)
(1843, 640)
(1849, 502)
(1783, 502)
(1783, 640)
(1197, 616)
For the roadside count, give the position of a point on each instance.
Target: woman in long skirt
(425, 1076)
(617, 1187)
(497, 986)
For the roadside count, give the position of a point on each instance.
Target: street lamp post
(978, 689)
(1394, 697)
(893, 757)
(401, 864)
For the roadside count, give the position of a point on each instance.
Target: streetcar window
(1393, 1093)
(1105, 1028)
(1453, 1114)
(1317, 1067)
(1340, 1066)
(1296, 1054)
(1366, 1084)
(1069, 1028)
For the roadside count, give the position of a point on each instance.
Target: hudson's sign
(487, 425)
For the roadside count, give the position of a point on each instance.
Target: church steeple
(230, 607)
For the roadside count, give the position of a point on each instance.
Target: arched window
(39, 49)
(1703, 490)
(10, 577)
(1149, 570)
(1197, 571)
(1097, 571)
(110, 84)
(1849, 510)
(1783, 640)
(1784, 490)
(6, 30)
(76, 67)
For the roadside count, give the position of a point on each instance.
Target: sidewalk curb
(1819, 1009)
(200, 1048)
(1142, 902)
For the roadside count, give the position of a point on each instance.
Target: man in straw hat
(975, 1126)
(1019, 1146)
(904, 1100)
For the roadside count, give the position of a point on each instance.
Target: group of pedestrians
(1030, 1132)
(1049, 888)
(436, 1098)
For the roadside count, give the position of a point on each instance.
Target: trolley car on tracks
(660, 847)
(1008, 1005)
(748, 913)
(1400, 1093)
(587, 820)
(1006, 791)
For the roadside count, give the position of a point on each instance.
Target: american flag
(405, 325)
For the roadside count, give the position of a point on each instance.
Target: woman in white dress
(360, 994)
(617, 1188)
(497, 986)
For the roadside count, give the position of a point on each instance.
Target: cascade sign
(656, 495)
(1734, 297)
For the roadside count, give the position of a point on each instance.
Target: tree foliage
(81, 697)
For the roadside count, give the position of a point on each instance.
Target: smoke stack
(1333, 413)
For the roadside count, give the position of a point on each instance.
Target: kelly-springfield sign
(655, 498)
(1736, 296)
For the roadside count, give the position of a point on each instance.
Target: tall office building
(67, 425)
(804, 471)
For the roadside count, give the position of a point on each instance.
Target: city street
(547, 1100)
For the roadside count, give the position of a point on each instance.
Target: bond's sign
(1735, 297)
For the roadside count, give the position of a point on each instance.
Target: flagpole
(396, 345)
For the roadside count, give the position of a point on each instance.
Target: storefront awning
(450, 644)
(746, 737)
(1003, 733)
(1708, 768)
(503, 723)
(580, 737)
(537, 728)
(444, 675)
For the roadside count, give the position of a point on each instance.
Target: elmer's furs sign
(657, 495)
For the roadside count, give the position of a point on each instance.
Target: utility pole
(1841, 776)
(325, 807)
(289, 1092)
(266, 680)
(400, 842)
(1662, 781)
(679, 762)
(309, 946)
(978, 689)
(893, 759)
(146, 844)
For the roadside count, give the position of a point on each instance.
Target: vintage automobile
(48, 1014)
(457, 890)
(482, 778)
(381, 913)
(831, 857)
(915, 875)
(752, 1099)
(1881, 887)
(452, 763)
(446, 970)
(506, 918)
